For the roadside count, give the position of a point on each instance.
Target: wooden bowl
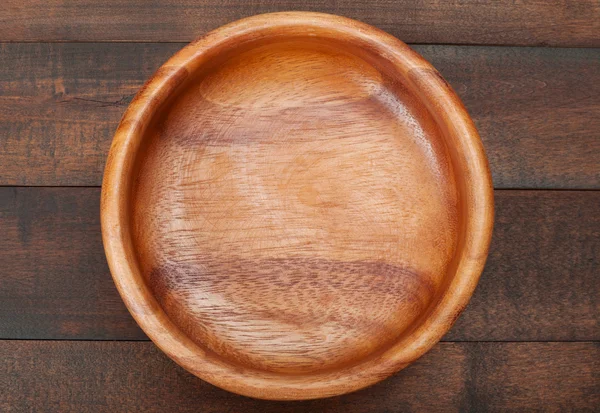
(295, 206)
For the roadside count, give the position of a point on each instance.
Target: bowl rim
(439, 98)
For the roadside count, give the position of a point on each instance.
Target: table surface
(529, 74)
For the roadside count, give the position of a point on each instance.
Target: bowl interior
(294, 207)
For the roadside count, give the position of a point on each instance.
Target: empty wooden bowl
(295, 206)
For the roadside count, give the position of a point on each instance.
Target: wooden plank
(134, 376)
(535, 109)
(534, 376)
(531, 23)
(60, 104)
(540, 282)
(54, 277)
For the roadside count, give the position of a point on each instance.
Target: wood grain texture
(469, 377)
(60, 105)
(278, 215)
(530, 23)
(296, 206)
(540, 281)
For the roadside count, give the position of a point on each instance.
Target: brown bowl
(295, 206)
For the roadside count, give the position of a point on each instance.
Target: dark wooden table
(529, 73)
